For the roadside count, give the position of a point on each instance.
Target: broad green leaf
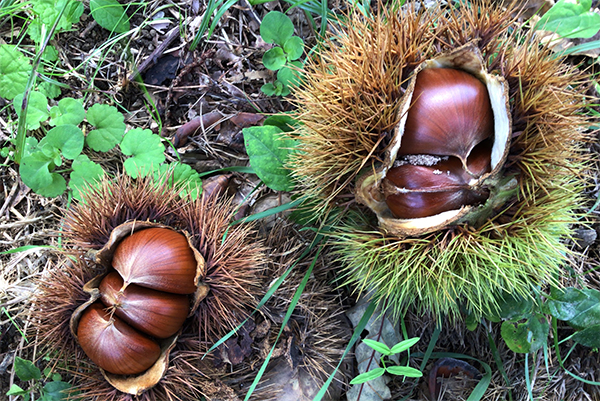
(590, 336)
(16, 390)
(293, 47)
(276, 28)
(512, 307)
(68, 111)
(57, 187)
(55, 391)
(35, 170)
(147, 150)
(47, 12)
(269, 89)
(525, 337)
(370, 375)
(571, 19)
(181, 176)
(268, 151)
(110, 15)
(37, 109)
(289, 75)
(579, 308)
(283, 121)
(26, 370)
(404, 371)
(50, 54)
(49, 89)
(377, 346)
(274, 58)
(14, 71)
(68, 138)
(109, 127)
(85, 173)
(404, 345)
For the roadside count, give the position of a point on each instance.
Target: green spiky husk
(347, 115)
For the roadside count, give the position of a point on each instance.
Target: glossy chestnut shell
(114, 345)
(155, 313)
(157, 258)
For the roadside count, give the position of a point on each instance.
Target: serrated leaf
(274, 58)
(293, 47)
(571, 19)
(181, 176)
(147, 150)
(367, 376)
(14, 71)
(110, 15)
(37, 109)
(68, 138)
(109, 127)
(56, 391)
(268, 151)
(525, 337)
(404, 345)
(378, 346)
(85, 174)
(276, 27)
(68, 111)
(48, 11)
(404, 371)
(26, 370)
(49, 89)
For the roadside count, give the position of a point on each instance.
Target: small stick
(152, 58)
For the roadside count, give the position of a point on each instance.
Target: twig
(152, 58)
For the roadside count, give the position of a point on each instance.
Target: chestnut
(451, 113)
(157, 258)
(156, 313)
(113, 345)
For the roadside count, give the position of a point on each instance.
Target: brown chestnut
(113, 345)
(156, 313)
(157, 258)
(451, 113)
(420, 191)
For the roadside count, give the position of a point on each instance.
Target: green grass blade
(287, 317)
(499, 363)
(26, 248)
(268, 212)
(237, 169)
(355, 337)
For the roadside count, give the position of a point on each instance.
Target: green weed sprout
(52, 390)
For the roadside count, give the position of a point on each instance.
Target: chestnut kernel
(157, 258)
(155, 313)
(113, 345)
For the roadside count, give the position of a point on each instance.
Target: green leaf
(268, 151)
(48, 11)
(35, 170)
(377, 346)
(37, 109)
(525, 337)
(370, 375)
(274, 58)
(588, 337)
(68, 111)
(404, 345)
(14, 71)
(293, 47)
(512, 307)
(49, 89)
(579, 308)
(181, 176)
(50, 54)
(26, 370)
(269, 89)
(55, 391)
(404, 371)
(109, 127)
(289, 75)
(147, 150)
(85, 173)
(283, 121)
(68, 138)
(571, 19)
(16, 390)
(110, 15)
(276, 27)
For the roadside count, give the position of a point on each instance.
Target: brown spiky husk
(234, 259)
(348, 107)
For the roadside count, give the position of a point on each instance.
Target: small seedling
(387, 351)
(278, 28)
(50, 386)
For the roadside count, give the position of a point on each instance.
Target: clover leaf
(147, 150)
(109, 127)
